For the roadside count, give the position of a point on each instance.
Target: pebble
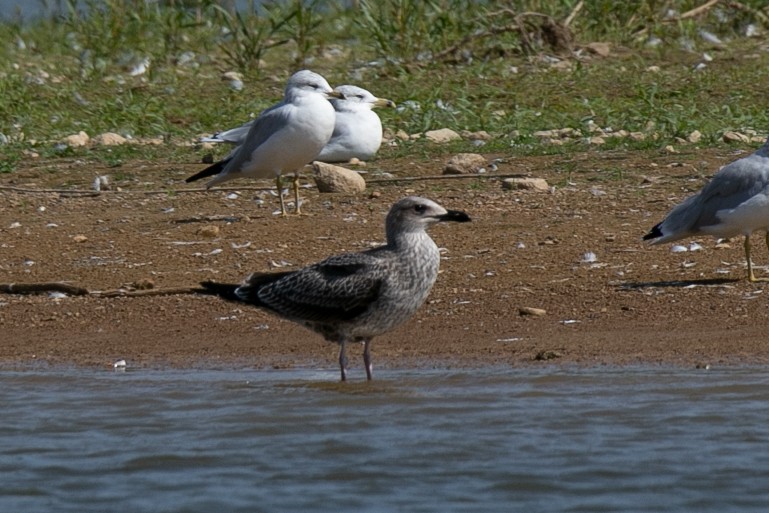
(734, 137)
(330, 178)
(77, 140)
(210, 231)
(528, 310)
(531, 184)
(464, 164)
(110, 139)
(443, 135)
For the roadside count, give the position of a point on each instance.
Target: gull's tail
(246, 292)
(213, 169)
(223, 290)
(654, 233)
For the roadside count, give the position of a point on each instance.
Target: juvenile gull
(354, 297)
(283, 138)
(357, 130)
(734, 202)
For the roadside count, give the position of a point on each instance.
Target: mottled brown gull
(734, 202)
(354, 297)
(283, 138)
(357, 129)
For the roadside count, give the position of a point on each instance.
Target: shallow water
(642, 439)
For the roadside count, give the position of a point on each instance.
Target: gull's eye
(420, 209)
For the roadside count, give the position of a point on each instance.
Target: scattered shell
(589, 258)
(695, 247)
(119, 364)
(677, 248)
(15, 224)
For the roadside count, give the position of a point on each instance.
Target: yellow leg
(752, 277)
(280, 196)
(296, 194)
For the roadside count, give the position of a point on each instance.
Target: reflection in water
(77, 440)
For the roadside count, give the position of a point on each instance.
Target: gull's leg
(367, 358)
(751, 277)
(296, 193)
(280, 196)
(342, 360)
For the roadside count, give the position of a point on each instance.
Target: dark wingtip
(455, 215)
(654, 233)
(223, 290)
(213, 169)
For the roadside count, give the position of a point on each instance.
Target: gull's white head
(306, 82)
(357, 97)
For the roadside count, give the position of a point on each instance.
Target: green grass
(459, 64)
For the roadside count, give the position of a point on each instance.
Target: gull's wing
(730, 187)
(234, 136)
(270, 122)
(337, 289)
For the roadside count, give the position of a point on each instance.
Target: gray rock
(443, 135)
(109, 139)
(330, 178)
(465, 164)
(530, 184)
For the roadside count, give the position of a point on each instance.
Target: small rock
(330, 178)
(481, 135)
(597, 140)
(599, 49)
(637, 136)
(527, 310)
(110, 139)
(211, 231)
(143, 284)
(443, 135)
(734, 137)
(529, 184)
(79, 238)
(694, 137)
(547, 355)
(465, 164)
(232, 75)
(76, 140)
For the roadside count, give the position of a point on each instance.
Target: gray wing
(731, 186)
(234, 136)
(337, 289)
(265, 126)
